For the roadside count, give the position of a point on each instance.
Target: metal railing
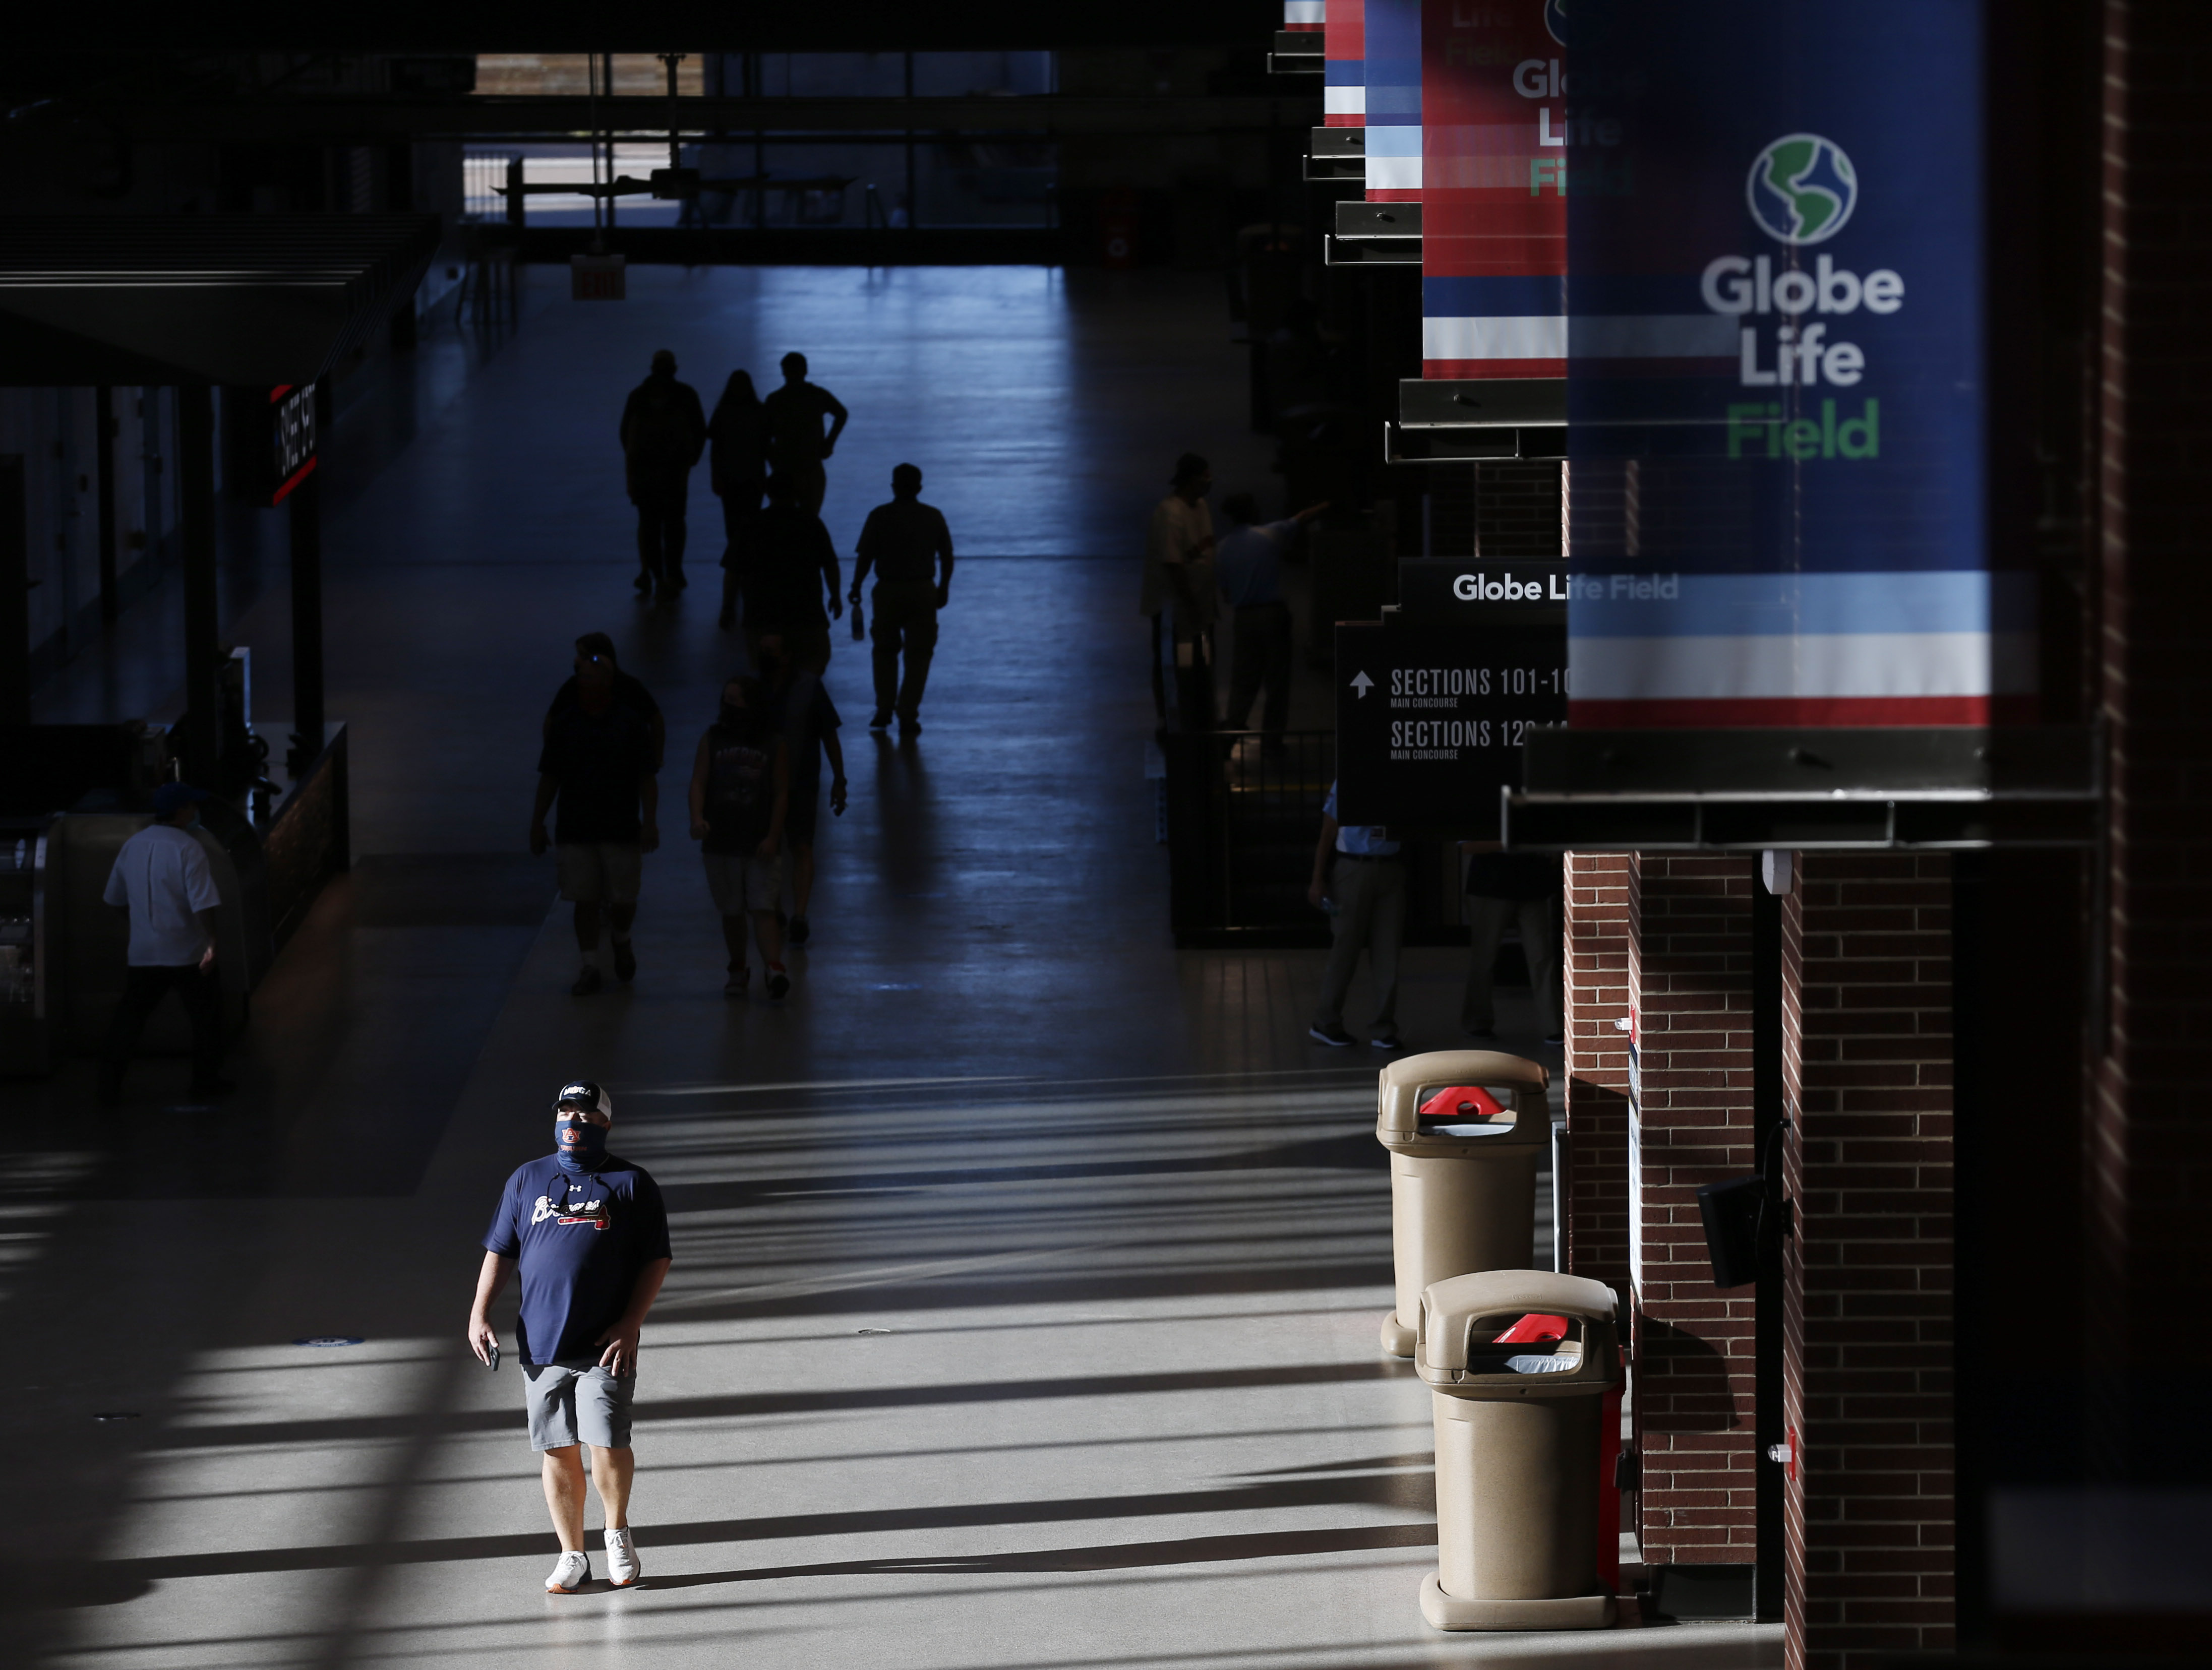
(1243, 817)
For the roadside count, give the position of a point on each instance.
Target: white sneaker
(623, 1566)
(571, 1573)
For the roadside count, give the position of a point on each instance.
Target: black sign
(1441, 589)
(291, 437)
(1434, 700)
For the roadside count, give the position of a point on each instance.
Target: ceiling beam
(365, 119)
(656, 26)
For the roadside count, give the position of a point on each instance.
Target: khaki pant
(1539, 920)
(1370, 911)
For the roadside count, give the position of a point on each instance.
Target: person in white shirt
(162, 880)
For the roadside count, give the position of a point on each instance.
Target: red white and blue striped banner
(1493, 191)
(1344, 65)
(1683, 648)
(1394, 101)
(1302, 16)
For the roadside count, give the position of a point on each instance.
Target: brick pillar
(1689, 924)
(1596, 980)
(2150, 1156)
(1866, 974)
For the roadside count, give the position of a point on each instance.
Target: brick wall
(2150, 1186)
(1689, 925)
(1517, 510)
(1596, 980)
(1867, 1314)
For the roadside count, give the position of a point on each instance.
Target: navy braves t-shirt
(580, 1239)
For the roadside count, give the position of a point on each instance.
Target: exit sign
(596, 278)
(291, 438)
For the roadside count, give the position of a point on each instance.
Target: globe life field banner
(1392, 29)
(1776, 498)
(1493, 188)
(1344, 65)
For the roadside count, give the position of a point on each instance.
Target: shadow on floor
(106, 1581)
(1108, 1556)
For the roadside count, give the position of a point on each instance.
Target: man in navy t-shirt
(592, 1237)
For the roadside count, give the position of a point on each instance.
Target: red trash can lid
(1532, 1328)
(1462, 1102)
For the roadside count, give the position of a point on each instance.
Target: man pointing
(590, 1235)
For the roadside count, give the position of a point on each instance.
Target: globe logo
(1555, 19)
(1802, 189)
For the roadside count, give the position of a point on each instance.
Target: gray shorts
(740, 881)
(576, 1405)
(600, 872)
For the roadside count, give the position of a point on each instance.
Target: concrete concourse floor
(1027, 1269)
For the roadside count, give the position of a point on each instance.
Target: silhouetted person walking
(1524, 889)
(1248, 565)
(1179, 583)
(910, 548)
(598, 763)
(796, 443)
(792, 562)
(663, 433)
(737, 467)
(629, 690)
(162, 880)
(808, 722)
(1359, 871)
(740, 797)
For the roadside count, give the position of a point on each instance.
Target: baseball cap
(170, 796)
(584, 1094)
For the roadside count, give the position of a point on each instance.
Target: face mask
(580, 1145)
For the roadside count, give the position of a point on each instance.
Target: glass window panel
(987, 183)
(550, 73)
(829, 184)
(949, 74)
(833, 75)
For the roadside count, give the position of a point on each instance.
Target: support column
(2149, 1159)
(195, 497)
(14, 593)
(1596, 982)
(1867, 1363)
(307, 684)
(1689, 925)
(104, 452)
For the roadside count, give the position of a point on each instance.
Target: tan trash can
(1518, 1444)
(1462, 1191)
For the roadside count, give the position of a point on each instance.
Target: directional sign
(1471, 590)
(1434, 700)
(291, 438)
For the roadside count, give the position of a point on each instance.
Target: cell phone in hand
(494, 1357)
